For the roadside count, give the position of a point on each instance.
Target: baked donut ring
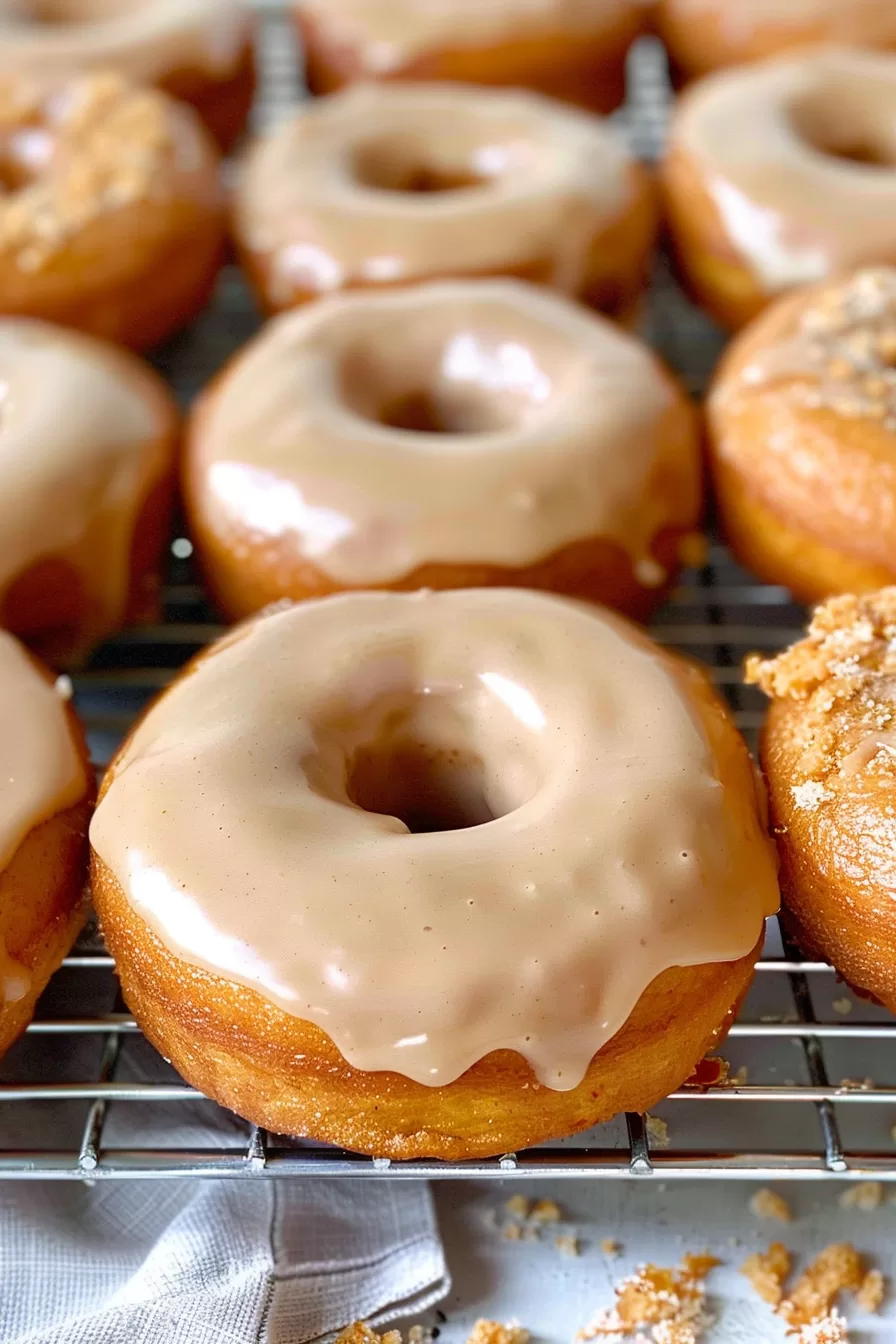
(573, 50)
(802, 434)
(46, 797)
(829, 754)
(87, 463)
(434, 874)
(704, 35)
(391, 184)
(782, 174)
(199, 51)
(114, 218)
(485, 433)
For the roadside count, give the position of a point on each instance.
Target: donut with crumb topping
(802, 433)
(829, 754)
(199, 51)
(113, 217)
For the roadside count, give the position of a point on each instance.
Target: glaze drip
(40, 770)
(592, 843)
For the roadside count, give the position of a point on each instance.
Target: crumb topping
(844, 673)
(95, 146)
(850, 641)
(769, 1204)
(670, 1303)
(843, 353)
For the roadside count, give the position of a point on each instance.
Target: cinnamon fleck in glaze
(438, 825)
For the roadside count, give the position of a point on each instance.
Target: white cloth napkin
(213, 1262)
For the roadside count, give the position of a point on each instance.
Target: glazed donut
(86, 475)
(199, 51)
(400, 920)
(829, 751)
(704, 35)
(485, 433)
(573, 50)
(46, 796)
(114, 218)
(802, 434)
(388, 184)
(781, 174)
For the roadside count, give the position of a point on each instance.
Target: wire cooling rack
(811, 1091)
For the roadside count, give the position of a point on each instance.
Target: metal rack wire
(83, 1096)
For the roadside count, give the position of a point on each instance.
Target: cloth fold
(213, 1262)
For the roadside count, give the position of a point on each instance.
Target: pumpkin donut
(705, 35)
(802, 434)
(484, 433)
(114, 218)
(384, 185)
(46, 797)
(87, 464)
(573, 50)
(434, 874)
(782, 174)
(829, 755)
(199, 51)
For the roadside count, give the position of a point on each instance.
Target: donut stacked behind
(448, 435)
(387, 185)
(704, 35)
(86, 472)
(781, 174)
(113, 220)
(574, 50)
(199, 51)
(46, 796)
(802, 428)
(434, 874)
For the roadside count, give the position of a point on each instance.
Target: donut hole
(435, 760)
(473, 383)
(428, 787)
(405, 163)
(852, 134)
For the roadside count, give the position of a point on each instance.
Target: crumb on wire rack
(610, 1247)
(657, 1132)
